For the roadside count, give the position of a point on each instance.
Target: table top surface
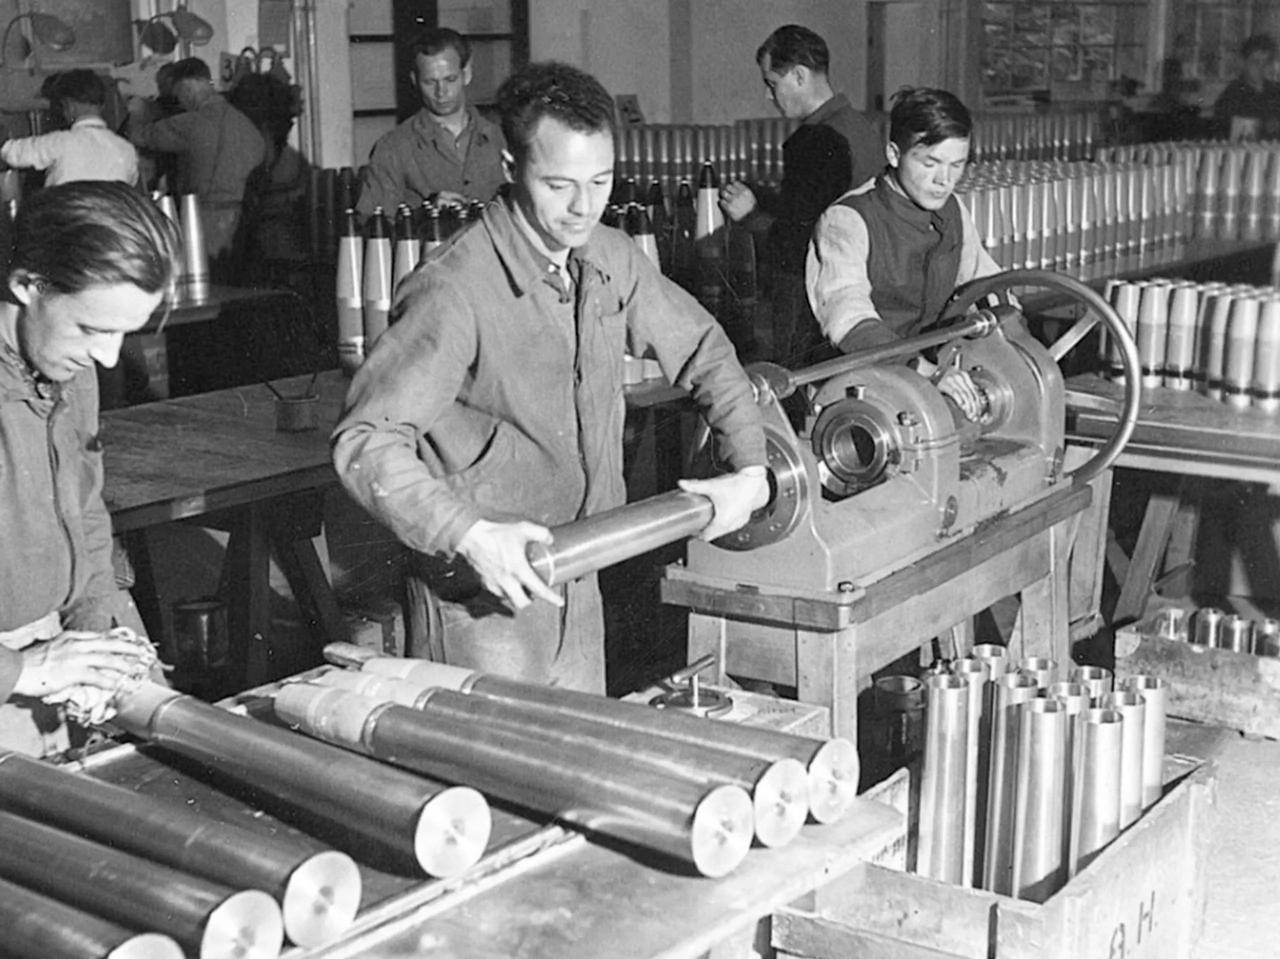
(189, 456)
(188, 309)
(1178, 431)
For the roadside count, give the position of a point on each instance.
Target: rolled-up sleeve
(411, 377)
(835, 273)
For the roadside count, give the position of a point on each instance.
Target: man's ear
(892, 154)
(803, 75)
(509, 166)
(466, 75)
(25, 286)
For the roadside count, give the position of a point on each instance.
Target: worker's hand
(497, 553)
(78, 659)
(449, 198)
(737, 200)
(957, 384)
(733, 496)
(136, 106)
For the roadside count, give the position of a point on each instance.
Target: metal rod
(1038, 867)
(36, 925)
(1155, 695)
(443, 828)
(205, 917)
(943, 787)
(975, 673)
(779, 789)
(1132, 708)
(708, 826)
(1012, 690)
(319, 892)
(1096, 800)
(599, 541)
(1075, 699)
(832, 764)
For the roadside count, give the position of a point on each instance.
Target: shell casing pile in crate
(1211, 626)
(1026, 776)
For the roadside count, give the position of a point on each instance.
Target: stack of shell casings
(1061, 135)
(1217, 339)
(1211, 626)
(668, 153)
(1080, 218)
(1029, 770)
(694, 789)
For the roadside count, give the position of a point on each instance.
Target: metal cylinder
(995, 656)
(899, 709)
(943, 775)
(1126, 299)
(350, 273)
(1040, 800)
(1180, 347)
(1096, 799)
(1265, 387)
(779, 789)
(195, 253)
(319, 891)
(1133, 708)
(204, 917)
(831, 764)
(1097, 680)
(1011, 691)
(1266, 638)
(1238, 358)
(1155, 696)
(1207, 626)
(444, 829)
(1173, 623)
(708, 826)
(1075, 699)
(1040, 668)
(376, 282)
(1236, 634)
(976, 675)
(1212, 342)
(591, 544)
(1153, 332)
(39, 926)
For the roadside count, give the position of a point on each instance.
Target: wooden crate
(1237, 690)
(1142, 898)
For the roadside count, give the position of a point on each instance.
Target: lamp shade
(195, 30)
(52, 31)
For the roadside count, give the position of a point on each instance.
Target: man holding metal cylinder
(492, 407)
(446, 152)
(833, 149)
(886, 257)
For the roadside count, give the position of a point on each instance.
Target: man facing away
(834, 148)
(492, 408)
(88, 149)
(446, 152)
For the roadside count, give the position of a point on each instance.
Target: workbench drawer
(1142, 898)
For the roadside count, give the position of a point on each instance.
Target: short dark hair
(429, 43)
(557, 90)
(82, 86)
(92, 233)
(928, 116)
(192, 68)
(795, 46)
(1259, 42)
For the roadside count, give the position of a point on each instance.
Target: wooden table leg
(826, 674)
(246, 589)
(1144, 565)
(1042, 627)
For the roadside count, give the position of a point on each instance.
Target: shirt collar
(429, 127)
(525, 258)
(832, 106)
(90, 121)
(903, 207)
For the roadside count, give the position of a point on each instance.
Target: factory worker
(1250, 104)
(834, 148)
(89, 263)
(446, 152)
(887, 255)
(492, 408)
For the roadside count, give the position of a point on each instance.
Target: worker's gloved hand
(733, 496)
(737, 201)
(71, 659)
(497, 553)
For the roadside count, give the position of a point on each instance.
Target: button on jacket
(418, 159)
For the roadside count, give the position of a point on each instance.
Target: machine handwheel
(971, 293)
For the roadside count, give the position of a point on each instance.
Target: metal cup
(200, 634)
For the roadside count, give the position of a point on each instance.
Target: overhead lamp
(187, 27)
(53, 32)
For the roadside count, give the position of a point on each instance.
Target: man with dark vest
(834, 148)
(887, 255)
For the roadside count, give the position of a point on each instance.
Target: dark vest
(913, 255)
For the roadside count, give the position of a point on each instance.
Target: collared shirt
(480, 403)
(217, 147)
(875, 255)
(420, 157)
(833, 149)
(57, 532)
(86, 151)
